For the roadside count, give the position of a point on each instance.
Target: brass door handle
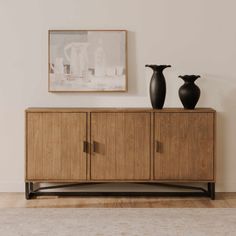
(94, 146)
(85, 146)
(157, 146)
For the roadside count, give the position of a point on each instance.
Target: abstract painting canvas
(87, 60)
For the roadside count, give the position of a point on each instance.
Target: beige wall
(194, 36)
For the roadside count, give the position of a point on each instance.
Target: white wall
(194, 36)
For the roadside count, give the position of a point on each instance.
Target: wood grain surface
(121, 146)
(14, 200)
(55, 146)
(184, 146)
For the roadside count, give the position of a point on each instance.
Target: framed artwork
(87, 60)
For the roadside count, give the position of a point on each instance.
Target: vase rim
(157, 67)
(190, 76)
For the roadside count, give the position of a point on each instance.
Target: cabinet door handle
(157, 144)
(94, 146)
(85, 147)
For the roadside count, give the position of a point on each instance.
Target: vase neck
(189, 82)
(158, 72)
(189, 78)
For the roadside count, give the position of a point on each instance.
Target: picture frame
(87, 61)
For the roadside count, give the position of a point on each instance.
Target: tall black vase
(157, 86)
(189, 92)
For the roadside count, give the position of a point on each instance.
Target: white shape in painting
(100, 61)
(78, 59)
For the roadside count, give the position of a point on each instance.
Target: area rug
(117, 221)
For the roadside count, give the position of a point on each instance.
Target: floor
(117, 221)
(12, 200)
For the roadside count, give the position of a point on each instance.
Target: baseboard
(20, 187)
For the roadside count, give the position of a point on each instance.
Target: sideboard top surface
(112, 109)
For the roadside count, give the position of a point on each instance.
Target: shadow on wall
(220, 93)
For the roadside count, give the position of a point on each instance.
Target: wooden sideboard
(140, 145)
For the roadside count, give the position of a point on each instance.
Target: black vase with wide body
(157, 86)
(189, 92)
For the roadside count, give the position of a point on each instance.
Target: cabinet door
(120, 146)
(184, 146)
(55, 146)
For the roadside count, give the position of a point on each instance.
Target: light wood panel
(112, 109)
(184, 148)
(121, 146)
(55, 146)
(15, 200)
(124, 149)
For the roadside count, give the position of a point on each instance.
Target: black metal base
(30, 192)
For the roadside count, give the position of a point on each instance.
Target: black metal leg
(28, 190)
(211, 190)
(31, 187)
(31, 191)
